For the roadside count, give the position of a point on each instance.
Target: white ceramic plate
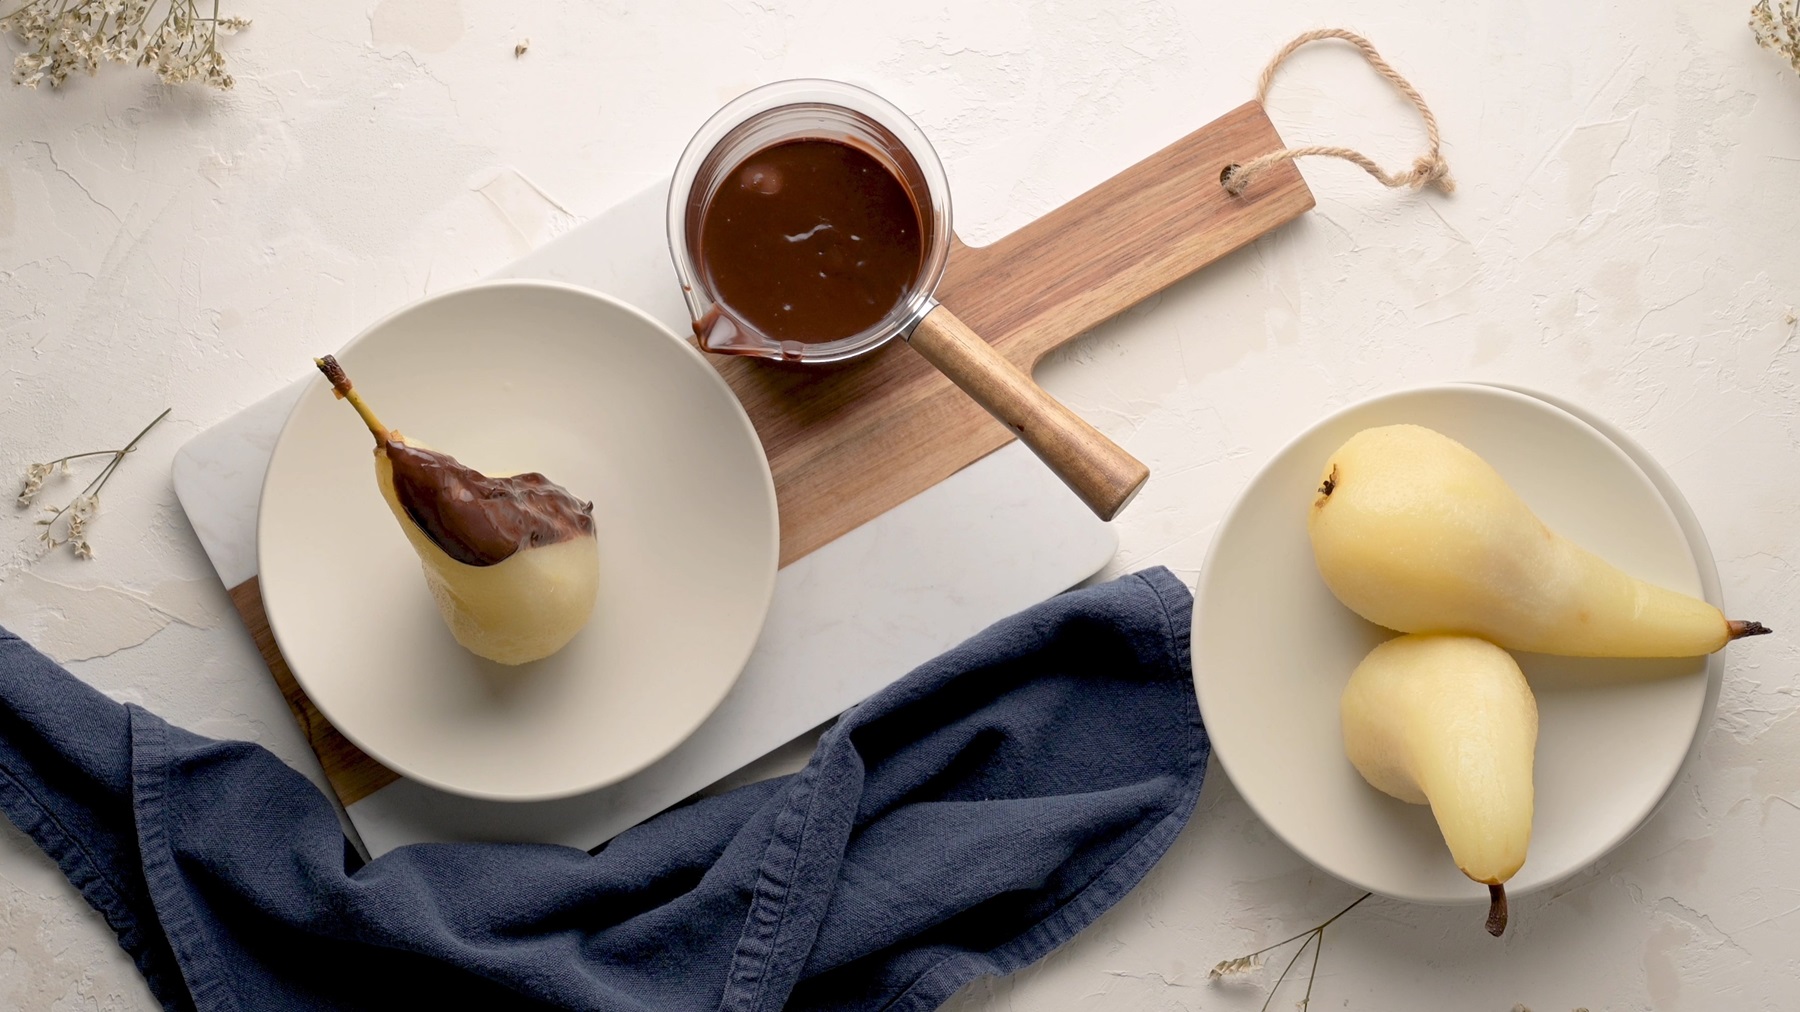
(524, 376)
(1273, 648)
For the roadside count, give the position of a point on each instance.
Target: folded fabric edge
(32, 819)
(39, 822)
(938, 984)
(174, 908)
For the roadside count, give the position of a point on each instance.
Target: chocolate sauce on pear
(810, 240)
(475, 519)
(478, 520)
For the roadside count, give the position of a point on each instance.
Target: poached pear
(1449, 721)
(512, 562)
(1415, 532)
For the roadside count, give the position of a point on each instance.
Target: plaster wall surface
(1624, 235)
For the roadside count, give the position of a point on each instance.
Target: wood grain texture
(353, 775)
(850, 442)
(1096, 469)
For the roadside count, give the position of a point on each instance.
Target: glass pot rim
(792, 110)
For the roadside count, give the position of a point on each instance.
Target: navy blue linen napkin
(964, 821)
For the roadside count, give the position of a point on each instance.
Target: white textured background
(1624, 236)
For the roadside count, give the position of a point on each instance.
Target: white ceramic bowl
(524, 376)
(1273, 648)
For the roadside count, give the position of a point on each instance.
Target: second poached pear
(1415, 532)
(1449, 721)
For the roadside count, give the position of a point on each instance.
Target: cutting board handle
(1097, 469)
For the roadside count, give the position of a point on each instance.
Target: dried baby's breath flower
(1233, 967)
(1315, 940)
(79, 514)
(34, 482)
(171, 37)
(1777, 27)
(80, 511)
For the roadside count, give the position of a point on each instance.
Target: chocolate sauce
(810, 241)
(480, 520)
(476, 520)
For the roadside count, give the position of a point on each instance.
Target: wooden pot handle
(1097, 469)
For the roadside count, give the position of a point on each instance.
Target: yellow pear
(1449, 721)
(512, 562)
(1415, 532)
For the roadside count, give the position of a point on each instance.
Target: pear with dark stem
(512, 561)
(1449, 721)
(1413, 531)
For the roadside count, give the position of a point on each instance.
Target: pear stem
(1738, 630)
(1496, 922)
(345, 390)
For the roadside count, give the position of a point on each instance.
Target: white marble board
(847, 619)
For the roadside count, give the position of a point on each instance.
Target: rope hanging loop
(1429, 169)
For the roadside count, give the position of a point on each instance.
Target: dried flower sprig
(1315, 939)
(1777, 27)
(79, 513)
(171, 37)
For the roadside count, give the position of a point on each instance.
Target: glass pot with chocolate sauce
(809, 222)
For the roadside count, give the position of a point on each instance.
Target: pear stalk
(1738, 630)
(344, 390)
(1496, 922)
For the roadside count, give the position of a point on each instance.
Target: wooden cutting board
(847, 443)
